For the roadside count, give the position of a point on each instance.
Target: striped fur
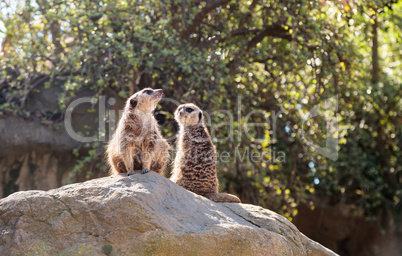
(195, 162)
(138, 143)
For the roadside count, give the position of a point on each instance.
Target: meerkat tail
(222, 198)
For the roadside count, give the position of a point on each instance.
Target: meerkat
(195, 162)
(138, 143)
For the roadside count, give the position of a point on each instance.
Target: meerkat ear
(133, 103)
(199, 117)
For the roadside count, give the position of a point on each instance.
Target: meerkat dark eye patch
(189, 110)
(133, 103)
(149, 92)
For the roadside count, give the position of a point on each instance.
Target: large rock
(141, 215)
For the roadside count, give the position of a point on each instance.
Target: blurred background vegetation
(282, 58)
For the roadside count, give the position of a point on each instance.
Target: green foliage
(282, 58)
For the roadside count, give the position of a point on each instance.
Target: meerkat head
(188, 114)
(144, 100)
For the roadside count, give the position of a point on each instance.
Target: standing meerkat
(195, 162)
(138, 143)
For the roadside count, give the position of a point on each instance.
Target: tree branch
(199, 17)
(247, 15)
(272, 30)
(54, 26)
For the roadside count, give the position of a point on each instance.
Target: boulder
(142, 215)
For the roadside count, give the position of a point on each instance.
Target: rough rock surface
(141, 215)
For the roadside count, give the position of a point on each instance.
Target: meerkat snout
(156, 94)
(144, 100)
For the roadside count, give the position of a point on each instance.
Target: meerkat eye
(149, 92)
(189, 110)
(133, 103)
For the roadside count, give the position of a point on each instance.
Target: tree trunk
(375, 78)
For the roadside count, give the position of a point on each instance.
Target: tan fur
(195, 162)
(138, 143)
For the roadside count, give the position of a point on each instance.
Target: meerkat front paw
(145, 171)
(130, 173)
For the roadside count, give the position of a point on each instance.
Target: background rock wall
(37, 152)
